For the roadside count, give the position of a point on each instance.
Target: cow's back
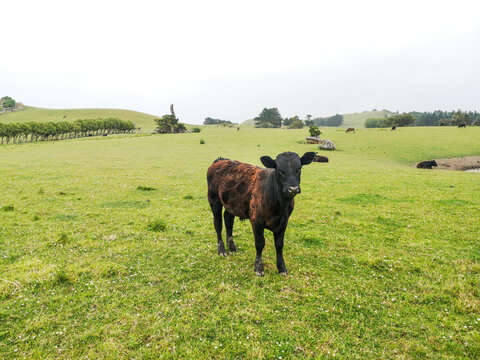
(233, 182)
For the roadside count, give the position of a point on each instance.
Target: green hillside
(142, 120)
(349, 120)
(358, 119)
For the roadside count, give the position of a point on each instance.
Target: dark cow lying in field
(265, 196)
(350, 129)
(462, 125)
(426, 164)
(319, 158)
(394, 128)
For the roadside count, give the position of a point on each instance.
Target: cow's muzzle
(293, 190)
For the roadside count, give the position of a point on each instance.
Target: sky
(230, 59)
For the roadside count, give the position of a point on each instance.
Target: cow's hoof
(222, 253)
(260, 273)
(284, 273)
(232, 248)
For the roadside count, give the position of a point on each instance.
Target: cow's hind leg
(229, 218)
(216, 206)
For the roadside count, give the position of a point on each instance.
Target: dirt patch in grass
(459, 163)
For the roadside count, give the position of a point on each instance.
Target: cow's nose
(294, 189)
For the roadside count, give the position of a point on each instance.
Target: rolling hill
(349, 120)
(29, 113)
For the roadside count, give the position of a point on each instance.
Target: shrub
(202, 141)
(314, 131)
(196, 129)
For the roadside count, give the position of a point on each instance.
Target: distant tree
(169, 124)
(308, 117)
(288, 121)
(297, 124)
(211, 121)
(269, 118)
(8, 102)
(314, 131)
(309, 122)
(374, 123)
(461, 117)
(404, 119)
(335, 120)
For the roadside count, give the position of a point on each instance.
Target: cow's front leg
(259, 245)
(278, 236)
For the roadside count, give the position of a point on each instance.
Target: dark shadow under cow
(265, 196)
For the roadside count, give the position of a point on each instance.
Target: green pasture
(108, 251)
(30, 113)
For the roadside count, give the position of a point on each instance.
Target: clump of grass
(188, 197)
(36, 217)
(62, 239)
(62, 193)
(146, 188)
(7, 208)
(41, 191)
(202, 141)
(196, 129)
(61, 277)
(157, 225)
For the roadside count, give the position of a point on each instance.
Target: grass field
(145, 121)
(107, 250)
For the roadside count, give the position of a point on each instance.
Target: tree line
(211, 121)
(271, 118)
(435, 118)
(35, 131)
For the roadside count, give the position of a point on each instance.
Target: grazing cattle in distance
(462, 125)
(394, 128)
(426, 164)
(265, 196)
(442, 124)
(350, 130)
(319, 158)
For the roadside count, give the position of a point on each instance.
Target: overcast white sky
(229, 60)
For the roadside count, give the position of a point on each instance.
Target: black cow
(319, 158)
(394, 128)
(265, 196)
(426, 164)
(462, 125)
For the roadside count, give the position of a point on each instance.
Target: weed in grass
(202, 141)
(188, 197)
(157, 225)
(146, 188)
(41, 191)
(36, 217)
(61, 277)
(7, 208)
(62, 239)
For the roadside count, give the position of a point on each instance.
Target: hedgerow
(34, 131)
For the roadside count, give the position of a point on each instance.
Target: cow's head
(433, 163)
(288, 166)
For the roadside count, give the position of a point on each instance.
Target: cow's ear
(307, 158)
(268, 162)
